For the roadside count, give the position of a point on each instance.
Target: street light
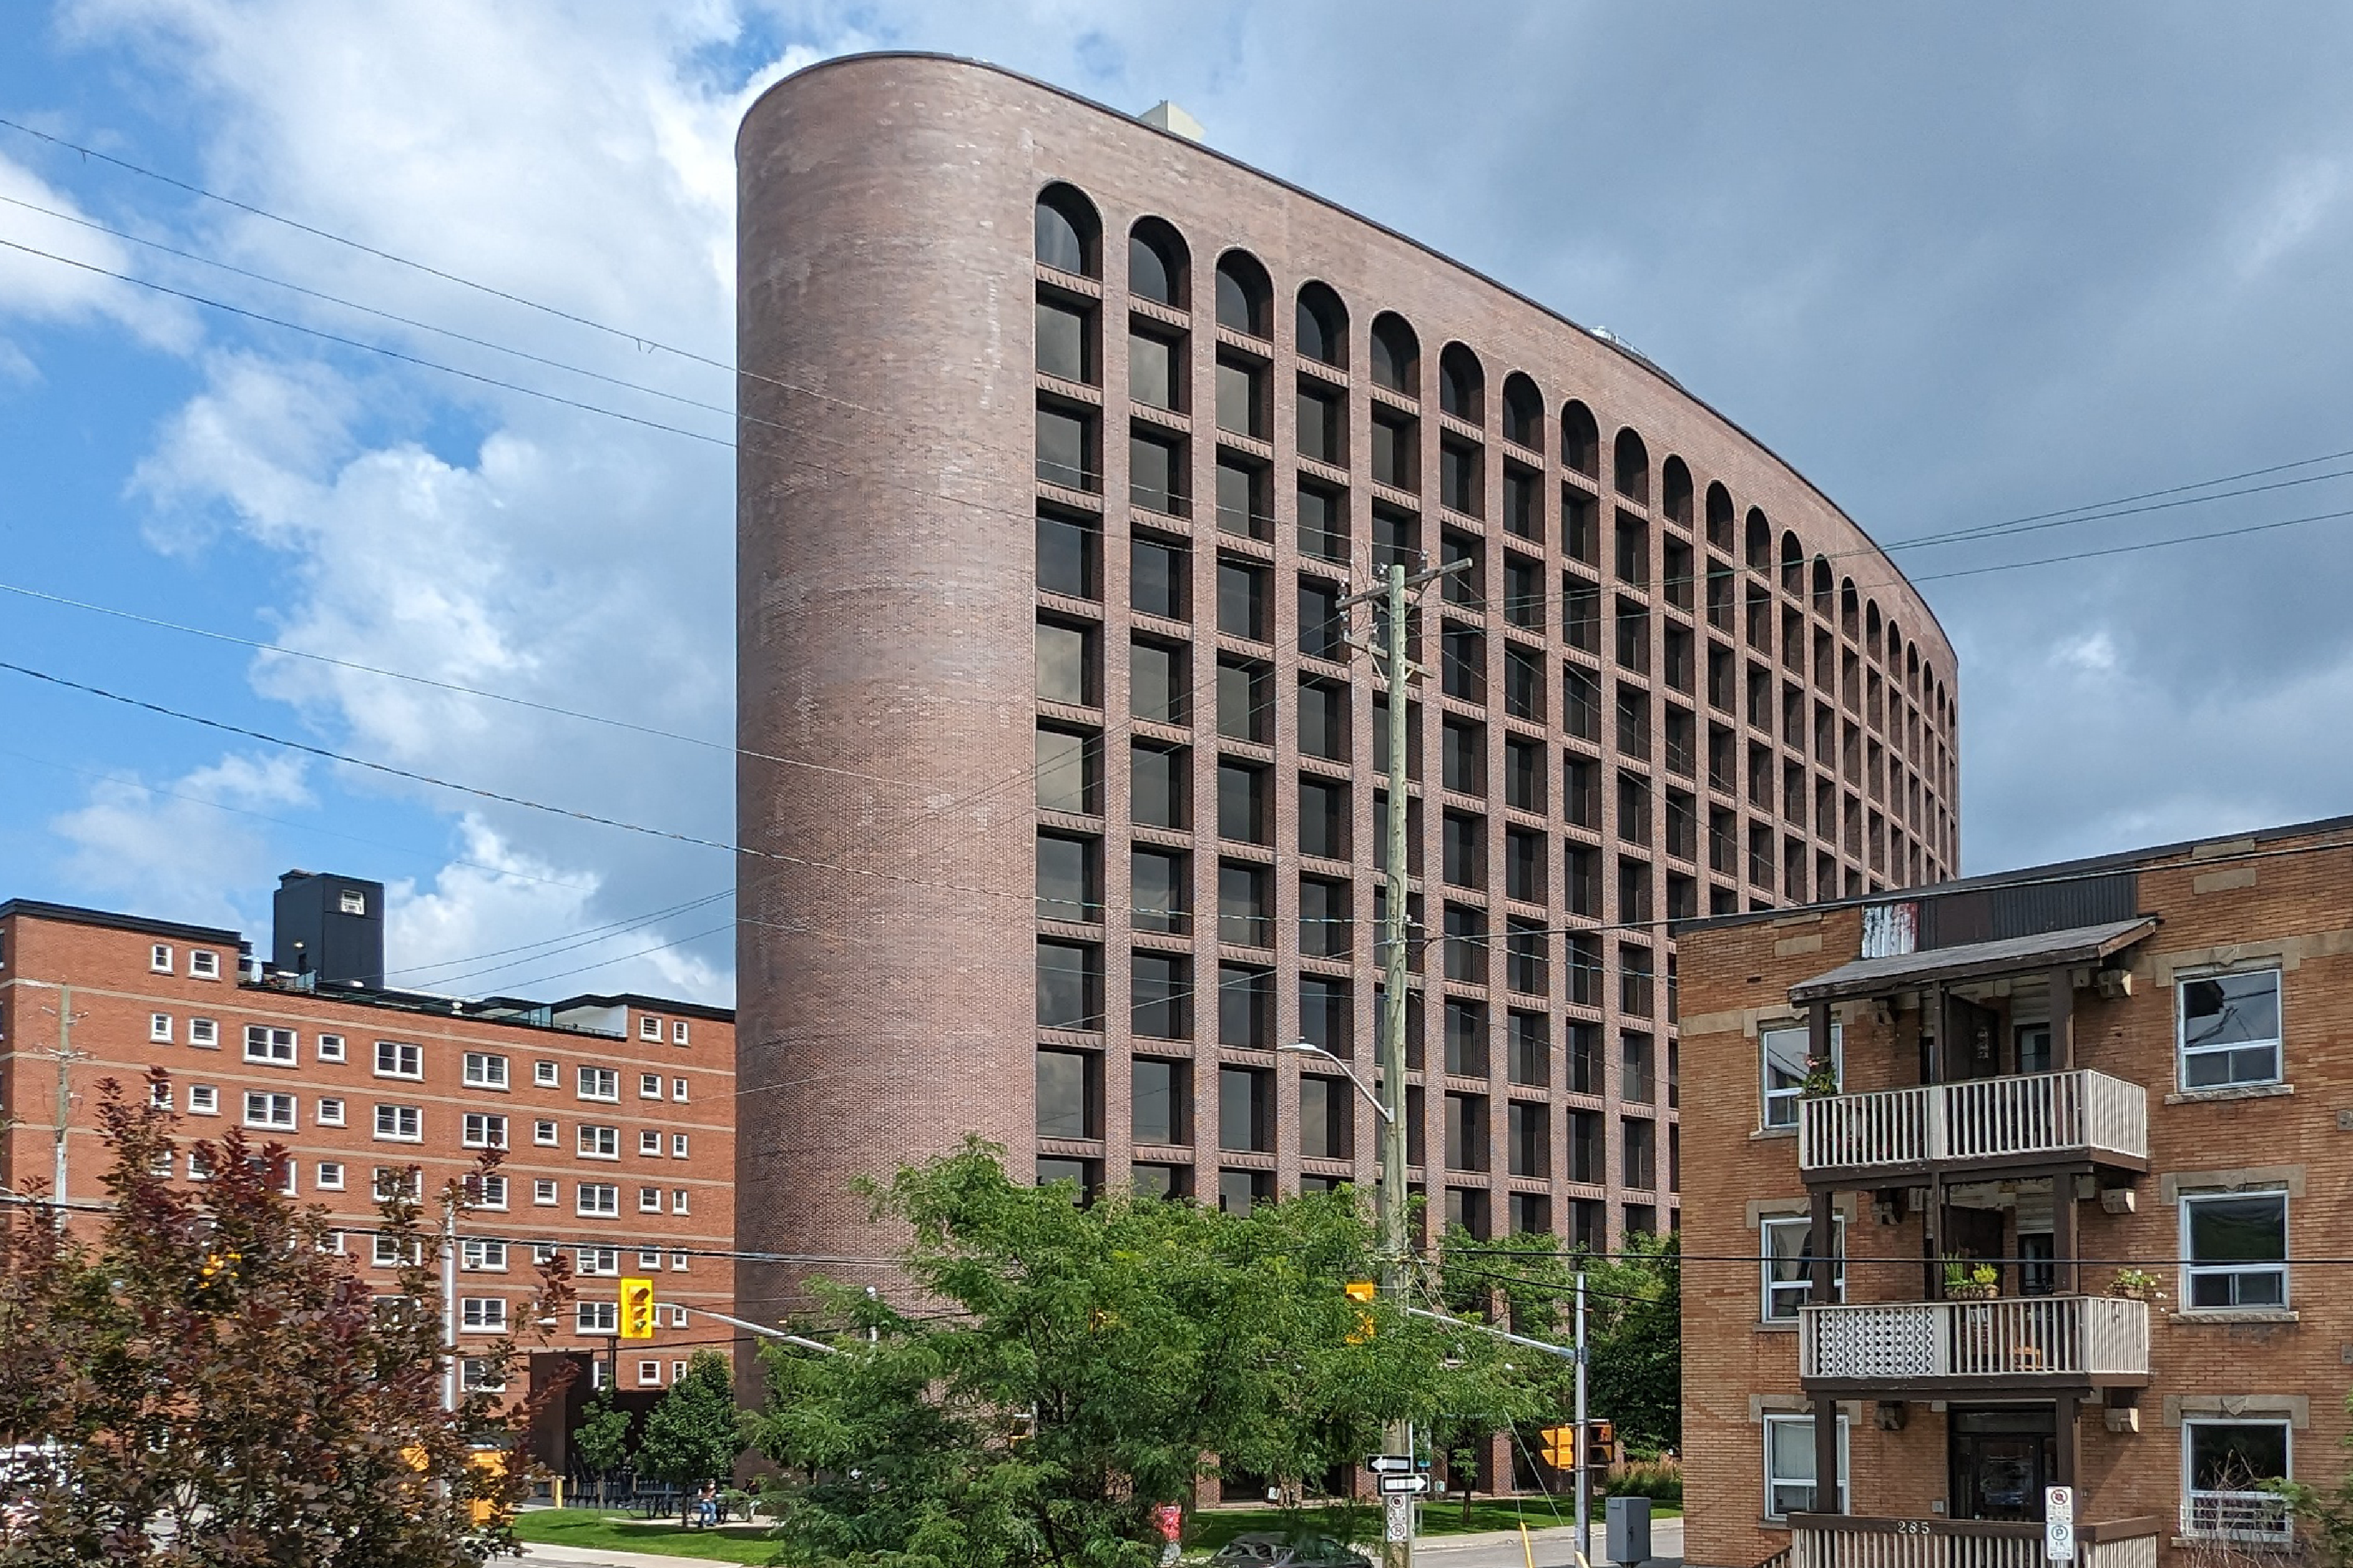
(1305, 1048)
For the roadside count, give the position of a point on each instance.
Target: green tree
(1076, 1367)
(601, 1440)
(208, 1379)
(695, 1434)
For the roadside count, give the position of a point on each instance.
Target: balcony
(2018, 1344)
(1977, 1126)
(1842, 1541)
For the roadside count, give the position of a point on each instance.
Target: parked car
(1271, 1550)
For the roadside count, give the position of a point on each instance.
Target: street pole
(449, 1304)
(65, 1086)
(1584, 1519)
(1397, 1546)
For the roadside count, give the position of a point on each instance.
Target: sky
(439, 540)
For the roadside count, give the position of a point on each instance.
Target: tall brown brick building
(1064, 439)
(616, 1112)
(2025, 1086)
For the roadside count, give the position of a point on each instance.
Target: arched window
(1323, 326)
(1793, 565)
(1069, 238)
(1461, 384)
(1761, 541)
(1157, 264)
(1580, 439)
(1675, 491)
(1523, 412)
(1396, 355)
(1633, 467)
(1871, 628)
(1821, 586)
(1719, 517)
(1245, 299)
(1850, 607)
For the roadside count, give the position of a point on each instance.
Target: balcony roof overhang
(1973, 961)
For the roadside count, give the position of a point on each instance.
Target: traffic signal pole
(1397, 1546)
(1584, 1434)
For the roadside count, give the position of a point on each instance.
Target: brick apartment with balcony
(616, 1112)
(1094, 431)
(1996, 1096)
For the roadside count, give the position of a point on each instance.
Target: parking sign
(2059, 1523)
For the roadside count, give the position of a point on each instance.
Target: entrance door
(2002, 1457)
(1974, 1048)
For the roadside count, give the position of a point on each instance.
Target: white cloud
(37, 287)
(164, 851)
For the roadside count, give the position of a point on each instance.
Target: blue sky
(1956, 265)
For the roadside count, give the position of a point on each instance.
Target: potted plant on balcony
(1822, 1079)
(2136, 1285)
(1967, 1282)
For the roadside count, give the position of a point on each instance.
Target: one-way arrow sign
(1388, 1464)
(1408, 1485)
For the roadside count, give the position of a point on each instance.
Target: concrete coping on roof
(1972, 961)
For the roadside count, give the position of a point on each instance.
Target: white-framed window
(542, 1253)
(159, 1027)
(331, 1047)
(678, 1032)
(599, 1376)
(649, 1086)
(1788, 1249)
(159, 958)
(204, 964)
(204, 1031)
(648, 1374)
(678, 1370)
(271, 1110)
(677, 1145)
(597, 1262)
(488, 1192)
(648, 1142)
(400, 1124)
(2236, 1248)
(268, 1047)
(2229, 1028)
(392, 1180)
(678, 1200)
(545, 1074)
(2225, 1464)
(352, 902)
(482, 1131)
(598, 1200)
(649, 1262)
(545, 1133)
(1789, 1465)
(331, 1175)
(385, 1251)
(677, 1089)
(483, 1314)
(200, 1165)
(1783, 1052)
(485, 1069)
(331, 1111)
(483, 1257)
(600, 1083)
(649, 1029)
(398, 1059)
(678, 1321)
(480, 1377)
(159, 1095)
(596, 1317)
(596, 1143)
(678, 1265)
(291, 1174)
(542, 1192)
(650, 1200)
(203, 1100)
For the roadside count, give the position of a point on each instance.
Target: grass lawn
(623, 1532)
(1213, 1528)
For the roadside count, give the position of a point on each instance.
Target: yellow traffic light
(637, 1308)
(1361, 1290)
(1560, 1447)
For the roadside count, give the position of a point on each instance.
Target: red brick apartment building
(1066, 437)
(2021, 1087)
(617, 1112)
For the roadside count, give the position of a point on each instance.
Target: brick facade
(889, 614)
(2277, 901)
(147, 993)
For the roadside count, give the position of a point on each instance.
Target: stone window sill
(2189, 1315)
(1775, 1326)
(2233, 1091)
(1772, 1132)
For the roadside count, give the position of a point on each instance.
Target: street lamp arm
(771, 1334)
(1303, 1048)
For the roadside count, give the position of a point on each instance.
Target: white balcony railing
(1895, 1342)
(2052, 1113)
(1833, 1541)
(2238, 1516)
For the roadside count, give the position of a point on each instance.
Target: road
(1553, 1549)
